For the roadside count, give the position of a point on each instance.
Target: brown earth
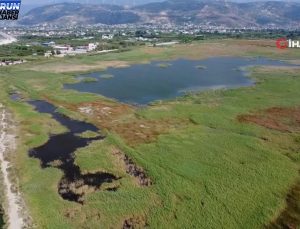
(276, 118)
(132, 169)
(69, 67)
(135, 223)
(121, 119)
(103, 112)
(289, 218)
(141, 131)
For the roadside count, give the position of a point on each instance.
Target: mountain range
(215, 13)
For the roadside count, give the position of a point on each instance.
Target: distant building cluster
(63, 50)
(11, 62)
(75, 40)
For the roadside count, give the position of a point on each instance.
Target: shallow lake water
(59, 151)
(145, 83)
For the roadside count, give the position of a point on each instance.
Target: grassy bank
(212, 172)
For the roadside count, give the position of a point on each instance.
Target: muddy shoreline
(59, 152)
(132, 169)
(290, 217)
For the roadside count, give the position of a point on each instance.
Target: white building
(92, 46)
(167, 43)
(48, 54)
(63, 49)
(107, 36)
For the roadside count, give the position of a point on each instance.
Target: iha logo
(9, 9)
(283, 43)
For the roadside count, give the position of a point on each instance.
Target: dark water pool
(144, 83)
(58, 152)
(1, 218)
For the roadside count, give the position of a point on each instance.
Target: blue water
(145, 83)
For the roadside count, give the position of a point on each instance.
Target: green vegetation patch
(217, 173)
(107, 76)
(164, 65)
(89, 80)
(89, 134)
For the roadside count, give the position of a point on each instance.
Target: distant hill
(221, 13)
(76, 13)
(232, 14)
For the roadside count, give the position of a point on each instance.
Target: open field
(209, 167)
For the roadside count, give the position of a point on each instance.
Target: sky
(130, 2)
(40, 2)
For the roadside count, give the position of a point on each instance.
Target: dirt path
(12, 199)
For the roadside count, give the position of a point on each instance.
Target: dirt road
(12, 198)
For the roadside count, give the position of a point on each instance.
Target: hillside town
(77, 40)
(129, 30)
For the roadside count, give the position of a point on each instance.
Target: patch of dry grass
(276, 118)
(76, 66)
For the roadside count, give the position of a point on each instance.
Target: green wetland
(223, 158)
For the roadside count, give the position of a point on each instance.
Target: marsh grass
(216, 173)
(207, 166)
(89, 80)
(107, 76)
(164, 65)
(89, 134)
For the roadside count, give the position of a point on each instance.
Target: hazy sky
(40, 2)
(131, 2)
